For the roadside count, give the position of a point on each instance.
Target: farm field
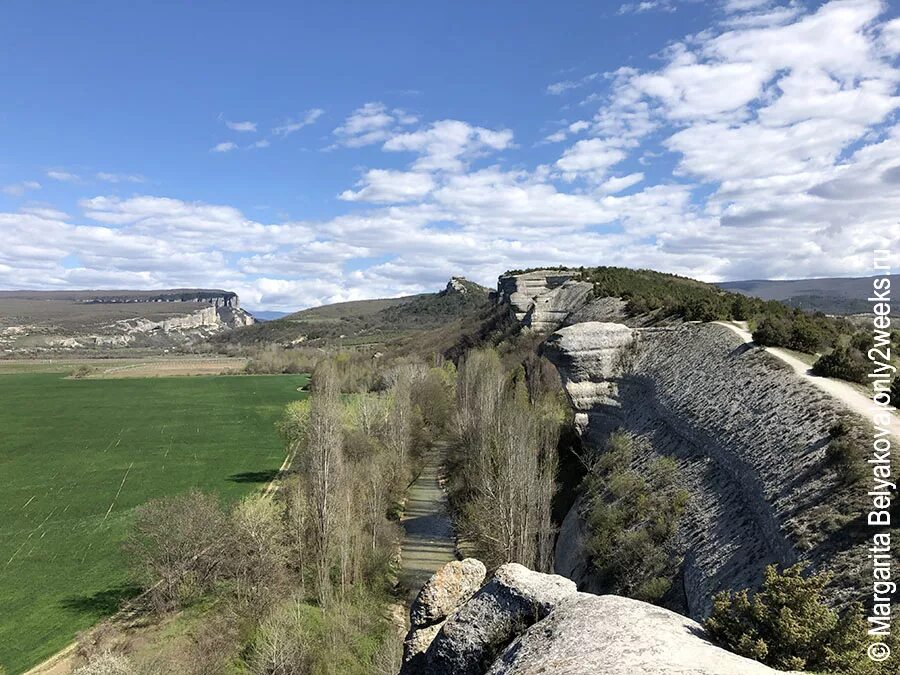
(153, 366)
(78, 455)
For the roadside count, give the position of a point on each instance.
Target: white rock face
(611, 635)
(543, 299)
(590, 357)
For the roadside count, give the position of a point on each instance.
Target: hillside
(830, 295)
(37, 322)
(366, 322)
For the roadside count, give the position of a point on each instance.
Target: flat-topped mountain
(35, 322)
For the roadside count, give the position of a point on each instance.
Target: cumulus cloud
(383, 186)
(371, 123)
(225, 146)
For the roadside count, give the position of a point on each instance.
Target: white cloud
(226, 146)
(447, 145)
(382, 186)
(63, 176)
(290, 125)
(245, 127)
(557, 88)
(595, 155)
(263, 143)
(19, 189)
(371, 123)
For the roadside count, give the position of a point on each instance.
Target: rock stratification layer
(748, 437)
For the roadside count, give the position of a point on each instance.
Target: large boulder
(447, 589)
(512, 600)
(611, 635)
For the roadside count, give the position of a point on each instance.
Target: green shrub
(845, 363)
(788, 625)
(632, 521)
(843, 454)
(895, 392)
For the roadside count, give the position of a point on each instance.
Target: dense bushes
(846, 363)
(632, 521)
(788, 625)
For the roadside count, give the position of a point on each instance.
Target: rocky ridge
(522, 622)
(748, 437)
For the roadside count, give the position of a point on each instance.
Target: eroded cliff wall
(748, 435)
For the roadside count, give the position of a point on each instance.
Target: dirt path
(842, 391)
(428, 539)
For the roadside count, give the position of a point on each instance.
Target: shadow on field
(102, 602)
(253, 476)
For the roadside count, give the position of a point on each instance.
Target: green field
(76, 457)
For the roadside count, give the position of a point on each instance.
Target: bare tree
(176, 547)
(322, 463)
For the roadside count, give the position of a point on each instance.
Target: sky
(308, 153)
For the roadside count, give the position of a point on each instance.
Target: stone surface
(611, 635)
(447, 589)
(416, 645)
(520, 290)
(512, 600)
(548, 310)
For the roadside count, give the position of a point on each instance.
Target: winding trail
(842, 391)
(428, 538)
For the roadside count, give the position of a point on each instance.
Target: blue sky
(316, 152)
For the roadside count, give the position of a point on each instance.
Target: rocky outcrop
(543, 299)
(479, 628)
(611, 635)
(527, 623)
(91, 320)
(590, 357)
(446, 590)
(748, 437)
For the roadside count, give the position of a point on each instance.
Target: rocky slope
(35, 322)
(748, 436)
(522, 622)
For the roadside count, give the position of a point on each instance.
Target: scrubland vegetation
(632, 521)
(789, 625)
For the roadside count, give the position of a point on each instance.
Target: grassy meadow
(78, 455)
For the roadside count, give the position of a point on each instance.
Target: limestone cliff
(33, 322)
(747, 434)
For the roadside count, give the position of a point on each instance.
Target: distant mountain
(267, 315)
(839, 295)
